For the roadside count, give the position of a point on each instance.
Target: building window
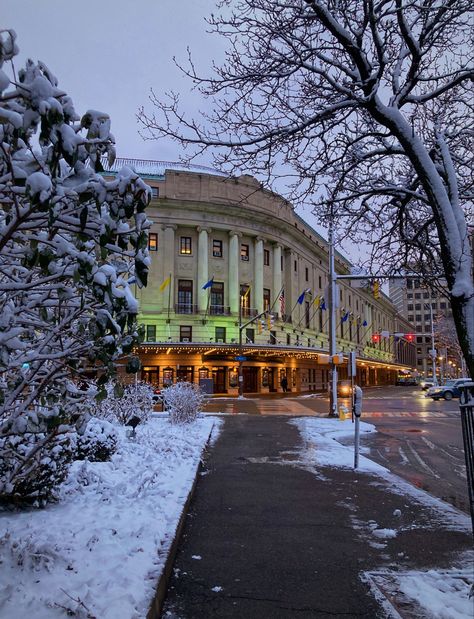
(427, 317)
(266, 257)
(306, 273)
(217, 248)
(266, 299)
(185, 246)
(419, 339)
(417, 295)
(306, 314)
(185, 296)
(152, 241)
(410, 307)
(151, 333)
(426, 295)
(245, 300)
(250, 336)
(410, 317)
(418, 306)
(417, 317)
(220, 335)
(281, 263)
(296, 266)
(273, 337)
(185, 333)
(244, 252)
(410, 295)
(217, 298)
(288, 339)
(442, 306)
(155, 192)
(409, 283)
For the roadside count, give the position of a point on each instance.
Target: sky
(107, 55)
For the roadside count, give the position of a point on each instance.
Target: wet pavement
(270, 536)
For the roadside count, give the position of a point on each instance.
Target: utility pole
(332, 319)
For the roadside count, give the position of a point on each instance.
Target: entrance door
(219, 376)
(272, 379)
(185, 373)
(250, 380)
(150, 374)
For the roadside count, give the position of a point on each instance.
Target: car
(426, 384)
(344, 388)
(449, 390)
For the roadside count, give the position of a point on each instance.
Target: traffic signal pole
(332, 321)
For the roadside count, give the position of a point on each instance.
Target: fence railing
(466, 404)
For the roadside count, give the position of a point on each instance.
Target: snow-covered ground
(100, 551)
(442, 594)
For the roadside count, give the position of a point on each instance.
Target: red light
(376, 338)
(410, 337)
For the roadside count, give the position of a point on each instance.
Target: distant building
(225, 251)
(426, 309)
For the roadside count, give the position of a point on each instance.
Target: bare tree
(365, 107)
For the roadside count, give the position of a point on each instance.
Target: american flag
(282, 302)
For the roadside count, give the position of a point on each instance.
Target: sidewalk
(265, 538)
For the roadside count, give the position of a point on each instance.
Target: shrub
(122, 404)
(34, 464)
(183, 402)
(98, 442)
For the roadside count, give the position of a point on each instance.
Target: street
(417, 438)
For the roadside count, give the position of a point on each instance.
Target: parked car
(344, 388)
(449, 390)
(426, 384)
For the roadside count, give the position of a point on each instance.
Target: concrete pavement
(267, 538)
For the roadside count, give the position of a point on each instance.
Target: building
(236, 273)
(429, 310)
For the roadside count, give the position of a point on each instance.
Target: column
(277, 283)
(203, 268)
(234, 284)
(169, 250)
(258, 275)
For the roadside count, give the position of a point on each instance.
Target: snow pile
(100, 551)
(444, 595)
(322, 436)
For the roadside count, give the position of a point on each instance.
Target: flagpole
(169, 299)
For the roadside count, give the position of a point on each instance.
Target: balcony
(185, 308)
(219, 310)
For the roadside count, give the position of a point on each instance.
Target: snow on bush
(71, 240)
(183, 401)
(127, 405)
(32, 465)
(98, 441)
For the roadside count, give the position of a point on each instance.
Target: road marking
(420, 461)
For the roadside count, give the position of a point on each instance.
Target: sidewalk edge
(156, 605)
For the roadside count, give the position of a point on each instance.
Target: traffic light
(376, 289)
(410, 337)
(376, 338)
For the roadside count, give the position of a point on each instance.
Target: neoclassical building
(236, 273)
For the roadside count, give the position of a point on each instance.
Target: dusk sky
(108, 55)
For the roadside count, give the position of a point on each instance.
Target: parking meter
(357, 401)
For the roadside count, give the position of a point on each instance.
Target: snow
(442, 594)
(102, 547)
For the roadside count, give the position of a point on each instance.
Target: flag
(302, 296)
(355, 319)
(345, 317)
(246, 293)
(165, 283)
(322, 305)
(209, 283)
(365, 323)
(282, 302)
(317, 301)
(385, 333)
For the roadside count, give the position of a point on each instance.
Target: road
(417, 438)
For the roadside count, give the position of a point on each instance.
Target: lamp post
(433, 349)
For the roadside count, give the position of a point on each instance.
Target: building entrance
(219, 375)
(250, 380)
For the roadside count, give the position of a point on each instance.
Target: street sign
(241, 358)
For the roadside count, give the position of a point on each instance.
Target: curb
(156, 605)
